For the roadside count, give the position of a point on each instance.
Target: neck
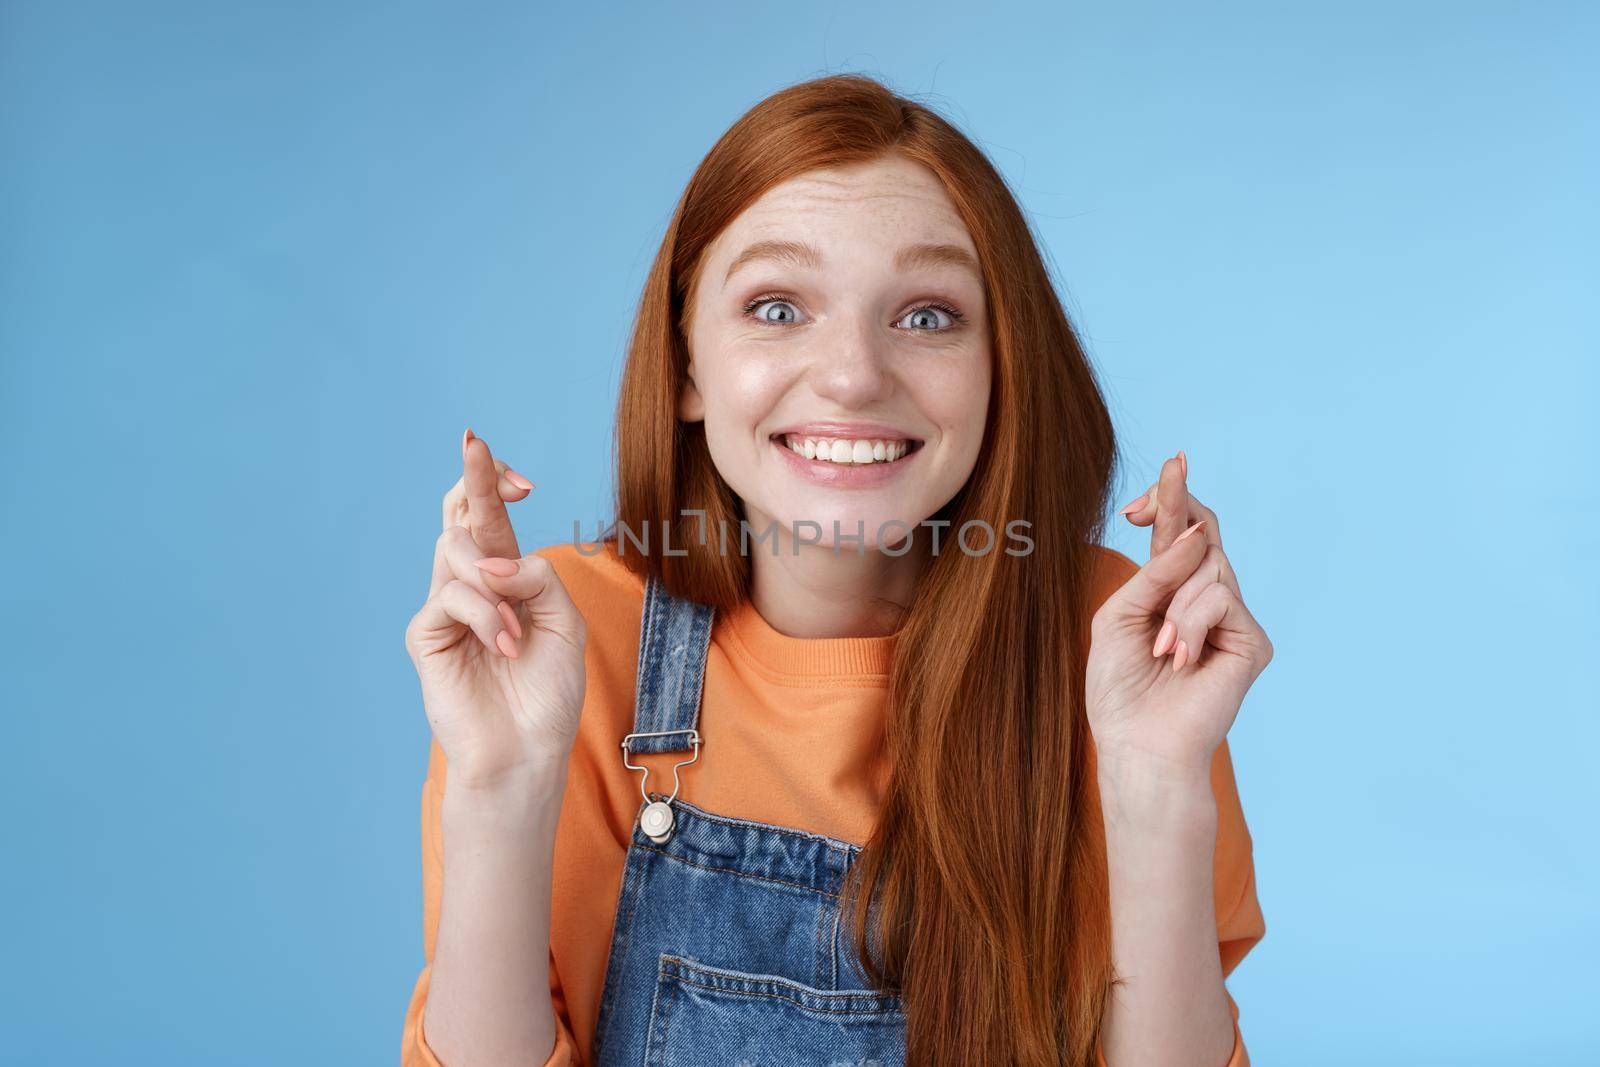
(823, 593)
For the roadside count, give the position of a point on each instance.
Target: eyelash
(957, 318)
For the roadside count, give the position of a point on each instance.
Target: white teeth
(847, 450)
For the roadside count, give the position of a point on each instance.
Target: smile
(849, 451)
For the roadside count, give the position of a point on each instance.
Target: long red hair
(991, 920)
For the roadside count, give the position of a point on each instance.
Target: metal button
(656, 820)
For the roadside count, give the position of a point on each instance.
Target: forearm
(1172, 1010)
(489, 993)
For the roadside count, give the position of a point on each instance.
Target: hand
(499, 645)
(1182, 608)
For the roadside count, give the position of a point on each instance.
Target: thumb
(1147, 592)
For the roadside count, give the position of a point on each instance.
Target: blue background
(258, 269)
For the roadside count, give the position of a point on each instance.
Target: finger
(508, 615)
(458, 551)
(487, 518)
(532, 583)
(455, 498)
(441, 562)
(1213, 569)
(453, 553)
(512, 486)
(1172, 506)
(1143, 514)
(1198, 511)
(1141, 506)
(1145, 595)
(438, 625)
(1141, 510)
(1213, 533)
(1219, 621)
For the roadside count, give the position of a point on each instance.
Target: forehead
(888, 202)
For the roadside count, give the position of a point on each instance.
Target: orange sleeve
(414, 1050)
(1240, 923)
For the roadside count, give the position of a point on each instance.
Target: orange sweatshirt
(803, 750)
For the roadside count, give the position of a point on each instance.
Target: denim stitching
(818, 966)
(833, 949)
(632, 883)
(775, 987)
(657, 1026)
(733, 870)
(792, 1000)
(832, 843)
(674, 638)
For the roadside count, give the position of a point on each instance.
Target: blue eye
(925, 314)
(763, 316)
(934, 311)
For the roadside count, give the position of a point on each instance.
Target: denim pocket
(703, 1016)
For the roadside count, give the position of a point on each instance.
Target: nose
(851, 365)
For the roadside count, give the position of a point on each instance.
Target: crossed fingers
(1169, 508)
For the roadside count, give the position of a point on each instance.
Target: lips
(847, 443)
(847, 450)
(868, 457)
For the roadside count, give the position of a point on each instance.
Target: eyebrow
(800, 254)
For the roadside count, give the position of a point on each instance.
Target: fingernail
(517, 480)
(1164, 638)
(504, 643)
(1136, 505)
(500, 568)
(1189, 531)
(466, 439)
(1185, 461)
(1181, 656)
(509, 614)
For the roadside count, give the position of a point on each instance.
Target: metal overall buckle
(655, 818)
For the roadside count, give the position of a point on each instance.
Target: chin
(852, 523)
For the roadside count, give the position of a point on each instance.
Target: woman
(848, 743)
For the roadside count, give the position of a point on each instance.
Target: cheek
(955, 396)
(740, 391)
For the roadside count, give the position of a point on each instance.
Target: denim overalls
(728, 947)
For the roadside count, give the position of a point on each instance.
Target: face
(839, 353)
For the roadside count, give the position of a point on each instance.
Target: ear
(691, 405)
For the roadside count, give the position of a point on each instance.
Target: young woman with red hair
(848, 742)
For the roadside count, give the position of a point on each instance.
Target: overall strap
(674, 637)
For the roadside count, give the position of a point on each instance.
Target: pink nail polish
(466, 439)
(517, 480)
(500, 568)
(509, 615)
(1135, 505)
(504, 643)
(1185, 461)
(1189, 531)
(1181, 656)
(1164, 638)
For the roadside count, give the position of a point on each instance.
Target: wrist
(500, 773)
(1153, 796)
(512, 797)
